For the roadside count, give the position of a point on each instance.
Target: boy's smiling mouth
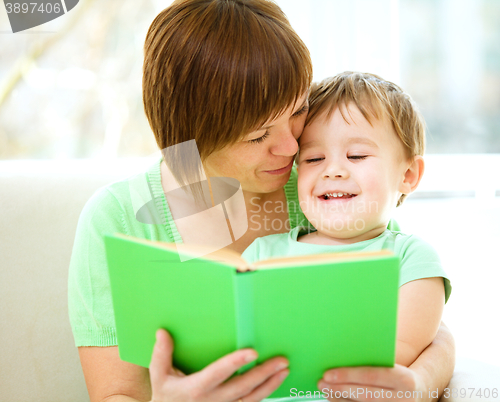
(336, 195)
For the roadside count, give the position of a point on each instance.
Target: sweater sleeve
(420, 260)
(89, 294)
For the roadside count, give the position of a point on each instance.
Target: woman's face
(262, 161)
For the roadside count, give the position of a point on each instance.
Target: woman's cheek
(298, 126)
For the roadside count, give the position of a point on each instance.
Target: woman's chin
(277, 184)
(266, 185)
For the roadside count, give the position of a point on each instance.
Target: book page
(283, 262)
(224, 256)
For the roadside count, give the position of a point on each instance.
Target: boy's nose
(335, 170)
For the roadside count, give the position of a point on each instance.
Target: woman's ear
(413, 175)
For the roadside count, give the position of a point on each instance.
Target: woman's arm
(436, 363)
(108, 378)
(431, 371)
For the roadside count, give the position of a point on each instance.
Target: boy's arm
(420, 309)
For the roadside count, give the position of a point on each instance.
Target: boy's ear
(412, 176)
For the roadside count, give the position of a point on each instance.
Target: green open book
(320, 311)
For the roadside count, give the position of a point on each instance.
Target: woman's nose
(286, 144)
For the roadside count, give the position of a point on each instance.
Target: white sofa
(40, 202)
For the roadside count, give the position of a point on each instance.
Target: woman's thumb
(161, 360)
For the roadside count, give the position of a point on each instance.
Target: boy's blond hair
(375, 98)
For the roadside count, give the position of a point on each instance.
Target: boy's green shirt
(418, 258)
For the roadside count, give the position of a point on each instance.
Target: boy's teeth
(336, 195)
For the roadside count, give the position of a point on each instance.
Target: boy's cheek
(304, 179)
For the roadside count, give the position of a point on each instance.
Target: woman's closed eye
(260, 139)
(304, 109)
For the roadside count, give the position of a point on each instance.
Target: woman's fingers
(161, 360)
(354, 392)
(361, 383)
(388, 377)
(220, 370)
(258, 383)
(210, 383)
(264, 390)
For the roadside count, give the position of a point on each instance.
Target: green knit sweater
(113, 209)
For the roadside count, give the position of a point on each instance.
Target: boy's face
(365, 161)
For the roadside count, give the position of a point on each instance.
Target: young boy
(360, 155)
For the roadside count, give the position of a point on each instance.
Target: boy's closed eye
(351, 157)
(312, 160)
(357, 157)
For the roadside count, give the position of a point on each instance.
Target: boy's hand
(398, 383)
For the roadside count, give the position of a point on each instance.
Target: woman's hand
(424, 380)
(210, 385)
(362, 384)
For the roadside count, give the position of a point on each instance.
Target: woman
(233, 76)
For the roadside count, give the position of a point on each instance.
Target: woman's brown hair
(215, 70)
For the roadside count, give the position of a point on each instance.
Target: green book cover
(320, 311)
